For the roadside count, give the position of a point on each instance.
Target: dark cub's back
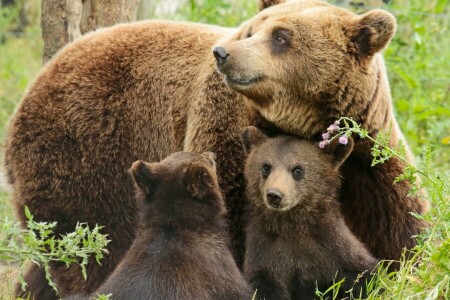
(181, 249)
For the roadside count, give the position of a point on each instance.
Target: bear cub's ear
(199, 181)
(339, 152)
(263, 4)
(144, 175)
(372, 31)
(211, 156)
(251, 137)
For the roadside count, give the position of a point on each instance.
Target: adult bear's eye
(280, 40)
(297, 172)
(265, 170)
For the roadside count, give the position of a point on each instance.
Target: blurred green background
(418, 62)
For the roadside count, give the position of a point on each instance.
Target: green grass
(5, 207)
(418, 63)
(20, 61)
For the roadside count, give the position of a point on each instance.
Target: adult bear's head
(303, 64)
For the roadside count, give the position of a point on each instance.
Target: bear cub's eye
(265, 170)
(297, 172)
(280, 40)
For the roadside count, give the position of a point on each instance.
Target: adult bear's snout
(221, 55)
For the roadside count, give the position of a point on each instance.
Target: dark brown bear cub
(181, 248)
(296, 237)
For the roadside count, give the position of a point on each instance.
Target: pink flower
(324, 143)
(343, 140)
(333, 128)
(326, 136)
(336, 123)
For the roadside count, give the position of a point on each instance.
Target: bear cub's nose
(274, 197)
(221, 55)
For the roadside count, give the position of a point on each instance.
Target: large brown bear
(148, 89)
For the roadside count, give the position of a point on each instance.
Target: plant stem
(357, 129)
(21, 252)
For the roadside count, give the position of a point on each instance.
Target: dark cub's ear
(372, 31)
(199, 181)
(338, 151)
(211, 156)
(263, 4)
(144, 174)
(252, 136)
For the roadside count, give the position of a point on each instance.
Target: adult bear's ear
(263, 4)
(144, 175)
(371, 32)
(252, 136)
(199, 181)
(339, 152)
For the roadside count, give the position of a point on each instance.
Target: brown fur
(145, 90)
(303, 242)
(181, 250)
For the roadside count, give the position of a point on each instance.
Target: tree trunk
(105, 13)
(65, 20)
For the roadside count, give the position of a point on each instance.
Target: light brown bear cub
(181, 250)
(297, 238)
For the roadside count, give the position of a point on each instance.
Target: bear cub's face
(183, 186)
(285, 172)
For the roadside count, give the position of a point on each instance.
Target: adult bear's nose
(221, 55)
(274, 197)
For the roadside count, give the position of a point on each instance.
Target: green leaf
(28, 213)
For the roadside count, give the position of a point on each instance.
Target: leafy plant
(425, 273)
(39, 245)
